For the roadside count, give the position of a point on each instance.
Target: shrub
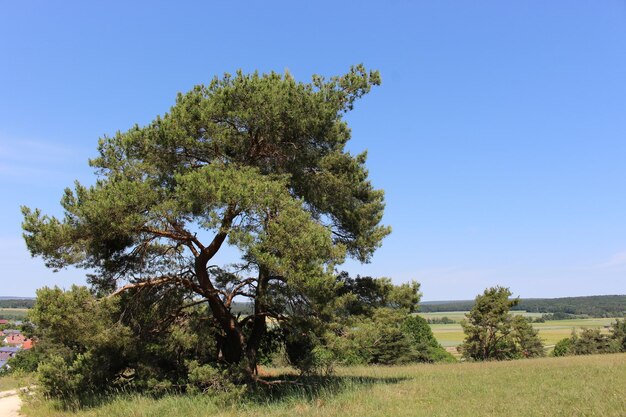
(591, 341)
(562, 347)
(526, 339)
(25, 361)
(618, 333)
(210, 379)
(426, 347)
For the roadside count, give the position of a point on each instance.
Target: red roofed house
(15, 340)
(2, 321)
(28, 344)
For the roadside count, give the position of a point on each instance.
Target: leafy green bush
(25, 361)
(618, 333)
(388, 337)
(89, 346)
(57, 379)
(591, 341)
(210, 379)
(425, 345)
(562, 347)
(526, 339)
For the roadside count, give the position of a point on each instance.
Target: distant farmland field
(13, 313)
(460, 315)
(450, 335)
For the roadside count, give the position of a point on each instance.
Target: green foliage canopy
(492, 333)
(593, 341)
(254, 160)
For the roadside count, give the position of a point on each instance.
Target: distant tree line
(17, 303)
(562, 308)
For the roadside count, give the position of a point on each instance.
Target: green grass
(14, 381)
(13, 313)
(460, 315)
(571, 386)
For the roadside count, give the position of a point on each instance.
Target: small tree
(378, 338)
(563, 347)
(526, 339)
(618, 333)
(84, 347)
(426, 347)
(488, 326)
(592, 341)
(492, 333)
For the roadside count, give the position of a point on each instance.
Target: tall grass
(571, 386)
(16, 380)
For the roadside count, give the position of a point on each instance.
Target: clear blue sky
(499, 133)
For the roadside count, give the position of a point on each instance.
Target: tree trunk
(258, 322)
(233, 341)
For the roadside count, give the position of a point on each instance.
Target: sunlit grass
(571, 386)
(15, 380)
(20, 313)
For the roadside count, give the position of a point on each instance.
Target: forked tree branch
(157, 282)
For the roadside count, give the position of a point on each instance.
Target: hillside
(570, 386)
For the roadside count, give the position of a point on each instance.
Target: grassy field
(13, 313)
(460, 315)
(15, 381)
(571, 386)
(550, 331)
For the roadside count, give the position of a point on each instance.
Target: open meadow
(13, 313)
(568, 386)
(450, 335)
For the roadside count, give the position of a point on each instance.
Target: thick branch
(163, 233)
(264, 314)
(236, 290)
(207, 253)
(180, 235)
(189, 236)
(156, 282)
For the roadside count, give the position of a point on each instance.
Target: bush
(90, 347)
(526, 339)
(618, 333)
(210, 379)
(426, 347)
(24, 361)
(299, 349)
(562, 347)
(380, 339)
(57, 380)
(591, 341)
(388, 337)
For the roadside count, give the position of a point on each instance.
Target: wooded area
(593, 306)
